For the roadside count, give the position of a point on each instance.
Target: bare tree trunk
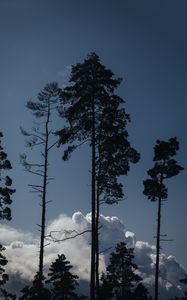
(42, 237)
(97, 223)
(158, 241)
(97, 243)
(157, 249)
(93, 235)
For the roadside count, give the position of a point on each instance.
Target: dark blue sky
(144, 42)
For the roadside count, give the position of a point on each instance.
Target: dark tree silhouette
(41, 137)
(141, 293)
(5, 190)
(6, 295)
(121, 280)
(62, 280)
(5, 200)
(154, 188)
(3, 263)
(94, 114)
(113, 159)
(32, 292)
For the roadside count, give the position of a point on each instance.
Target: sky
(144, 42)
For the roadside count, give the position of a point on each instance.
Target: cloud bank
(22, 252)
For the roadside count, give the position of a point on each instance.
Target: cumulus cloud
(22, 251)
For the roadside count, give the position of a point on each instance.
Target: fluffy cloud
(22, 251)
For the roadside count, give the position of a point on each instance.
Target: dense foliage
(121, 280)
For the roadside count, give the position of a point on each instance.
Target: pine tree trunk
(42, 237)
(157, 249)
(93, 235)
(97, 244)
(97, 223)
(158, 241)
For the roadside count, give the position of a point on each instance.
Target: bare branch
(50, 237)
(35, 173)
(36, 190)
(35, 185)
(52, 145)
(36, 165)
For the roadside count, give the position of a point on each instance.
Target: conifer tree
(121, 280)
(141, 293)
(32, 292)
(164, 168)
(114, 157)
(6, 295)
(94, 114)
(5, 190)
(6, 193)
(41, 137)
(63, 282)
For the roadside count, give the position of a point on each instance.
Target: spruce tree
(164, 168)
(6, 193)
(31, 292)
(42, 137)
(94, 113)
(6, 295)
(141, 293)
(63, 282)
(121, 280)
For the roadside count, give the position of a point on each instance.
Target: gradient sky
(144, 42)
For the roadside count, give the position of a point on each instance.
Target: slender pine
(93, 235)
(154, 188)
(41, 136)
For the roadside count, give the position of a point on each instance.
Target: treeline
(92, 113)
(120, 280)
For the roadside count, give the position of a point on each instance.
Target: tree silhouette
(41, 137)
(120, 281)
(5, 190)
(7, 296)
(32, 292)
(114, 157)
(154, 188)
(62, 280)
(94, 114)
(141, 293)
(5, 200)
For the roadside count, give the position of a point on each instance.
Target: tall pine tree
(31, 292)
(41, 137)
(164, 168)
(63, 282)
(94, 113)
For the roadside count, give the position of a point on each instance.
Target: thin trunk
(97, 224)
(42, 237)
(93, 235)
(158, 241)
(97, 243)
(157, 249)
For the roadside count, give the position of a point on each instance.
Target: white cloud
(22, 251)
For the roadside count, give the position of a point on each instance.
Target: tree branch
(50, 237)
